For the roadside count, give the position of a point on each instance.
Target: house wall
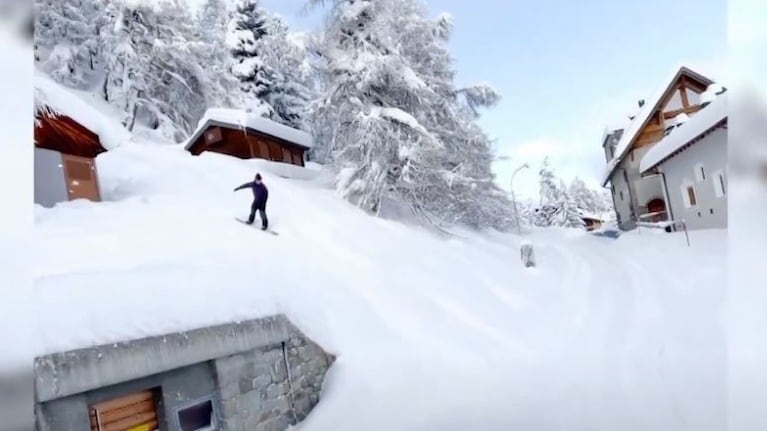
(679, 170)
(261, 375)
(622, 199)
(177, 388)
(237, 143)
(50, 182)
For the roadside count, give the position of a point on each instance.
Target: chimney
(641, 103)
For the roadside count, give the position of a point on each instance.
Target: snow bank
(702, 121)
(242, 119)
(71, 103)
(431, 333)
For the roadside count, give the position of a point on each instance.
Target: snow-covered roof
(702, 121)
(241, 119)
(643, 116)
(54, 97)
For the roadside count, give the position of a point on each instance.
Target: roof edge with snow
(643, 117)
(239, 119)
(713, 116)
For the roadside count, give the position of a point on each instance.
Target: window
(197, 416)
(688, 193)
(720, 188)
(700, 173)
(621, 194)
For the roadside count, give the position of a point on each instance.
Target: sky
(565, 69)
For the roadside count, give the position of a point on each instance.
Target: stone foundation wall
(263, 375)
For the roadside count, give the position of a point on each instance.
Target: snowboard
(256, 226)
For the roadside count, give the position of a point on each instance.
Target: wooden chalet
(238, 134)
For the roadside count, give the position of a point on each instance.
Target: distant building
(591, 221)
(638, 187)
(239, 134)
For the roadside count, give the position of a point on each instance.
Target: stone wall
(263, 375)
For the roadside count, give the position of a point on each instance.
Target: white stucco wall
(50, 183)
(710, 210)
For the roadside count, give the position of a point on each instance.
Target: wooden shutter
(297, 158)
(691, 195)
(213, 135)
(275, 152)
(135, 412)
(287, 156)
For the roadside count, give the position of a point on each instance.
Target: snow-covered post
(526, 253)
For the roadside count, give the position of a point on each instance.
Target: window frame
(214, 422)
(690, 199)
(700, 173)
(718, 182)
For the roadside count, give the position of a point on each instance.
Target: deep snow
(431, 333)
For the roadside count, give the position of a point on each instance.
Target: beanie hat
(258, 177)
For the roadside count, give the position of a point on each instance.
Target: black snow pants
(261, 208)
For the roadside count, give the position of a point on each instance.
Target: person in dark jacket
(260, 196)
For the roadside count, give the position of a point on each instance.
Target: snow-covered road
(431, 333)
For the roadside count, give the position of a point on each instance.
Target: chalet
(638, 197)
(68, 136)
(239, 134)
(691, 162)
(591, 221)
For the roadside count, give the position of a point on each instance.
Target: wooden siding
(248, 144)
(654, 130)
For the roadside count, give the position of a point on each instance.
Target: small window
(720, 188)
(700, 173)
(691, 199)
(197, 416)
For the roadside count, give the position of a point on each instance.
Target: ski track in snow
(431, 333)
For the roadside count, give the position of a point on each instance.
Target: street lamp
(514, 199)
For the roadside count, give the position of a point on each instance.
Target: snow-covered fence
(526, 254)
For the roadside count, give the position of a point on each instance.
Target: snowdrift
(430, 333)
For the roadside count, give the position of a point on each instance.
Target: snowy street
(430, 333)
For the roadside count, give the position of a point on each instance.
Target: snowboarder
(260, 196)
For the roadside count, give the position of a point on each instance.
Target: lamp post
(514, 199)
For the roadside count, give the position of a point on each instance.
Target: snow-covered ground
(431, 333)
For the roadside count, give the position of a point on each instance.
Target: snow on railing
(667, 225)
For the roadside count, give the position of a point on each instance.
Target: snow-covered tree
(247, 27)
(66, 39)
(571, 210)
(290, 89)
(392, 122)
(151, 68)
(221, 87)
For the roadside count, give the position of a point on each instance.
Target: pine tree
(571, 212)
(289, 92)
(246, 29)
(221, 87)
(549, 211)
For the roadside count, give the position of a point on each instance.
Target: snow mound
(53, 96)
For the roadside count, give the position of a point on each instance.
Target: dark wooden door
(81, 178)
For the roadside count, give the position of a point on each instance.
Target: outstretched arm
(245, 186)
